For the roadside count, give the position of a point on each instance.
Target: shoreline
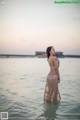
(35, 56)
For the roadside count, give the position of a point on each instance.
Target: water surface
(22, 82)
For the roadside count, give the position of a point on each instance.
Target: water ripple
(22, 89)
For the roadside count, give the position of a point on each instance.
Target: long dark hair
(48, 51)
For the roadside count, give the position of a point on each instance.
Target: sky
(27, 26)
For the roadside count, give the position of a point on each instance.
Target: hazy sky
(27, 26)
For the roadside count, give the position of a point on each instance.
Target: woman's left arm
(57, 61)
(56, 68)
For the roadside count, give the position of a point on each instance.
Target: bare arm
(58, 62)
(56, 67)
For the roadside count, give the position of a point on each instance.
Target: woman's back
(51, 64)
(50, 61)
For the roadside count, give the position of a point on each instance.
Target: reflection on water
(50, 110)
(22, 83)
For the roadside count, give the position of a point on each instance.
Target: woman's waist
(52, 72)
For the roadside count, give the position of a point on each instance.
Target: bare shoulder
(51, 58)
(56, 58)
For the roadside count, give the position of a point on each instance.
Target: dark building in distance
(59, 54)
(43, 54)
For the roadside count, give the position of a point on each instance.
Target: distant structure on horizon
(44, 54)
(39, 54)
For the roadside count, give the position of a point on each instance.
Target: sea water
(22, 83)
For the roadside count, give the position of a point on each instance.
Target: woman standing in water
(51, 89)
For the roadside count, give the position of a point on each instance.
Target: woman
(51, 89)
